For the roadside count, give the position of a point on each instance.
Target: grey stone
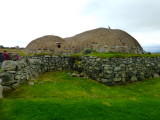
(35, 61)
(1, 91)
(27, 77)
(117, 79)
(123, 74)
(134, 79)
(20, 65)
(98, 59)
(31, 83)
(156, 75)
(9, 65)
(104, 80)
(101, 50)
(0, 81)
(73, 75)
(130, 68)
(134, 72)
(7, 78)
(116, 69)
(17, 77)
(12, 72)
(123, 80)
(59, 69)
(108, 71)
(148, 65)
(122, 65)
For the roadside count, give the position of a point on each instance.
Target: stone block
(104, 80)
(108, 71)
(122, 65)
(156, 75)
(7, 78)
(17, 77)
(117, 79)
(134, 79)
(1, 91)
(123, 74)
(98, 59)
(116, 69)
(9, 65)
(0, 81)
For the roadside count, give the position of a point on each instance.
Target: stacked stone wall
(27, 68)
(109, 71)
(113, 71)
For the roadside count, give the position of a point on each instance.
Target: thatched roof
(104, 37)
(101, 39)
(47, 42)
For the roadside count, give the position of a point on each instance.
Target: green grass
(58, 96)
(109, 55)
(1, 70)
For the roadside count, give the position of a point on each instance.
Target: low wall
(17, 72)
(113, 71)
(109, 71)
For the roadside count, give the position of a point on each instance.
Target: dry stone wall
(113, 71)
(109, 71)
(27, 68)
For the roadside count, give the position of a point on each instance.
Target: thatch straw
(47, 42)
(101, 38)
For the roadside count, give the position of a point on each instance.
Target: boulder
(134, 79)
(116, 69)
(9, 65)
(7, 78)
(104, 80)
(155, 75)
(117, 79)
(73, 75)
(35, 62)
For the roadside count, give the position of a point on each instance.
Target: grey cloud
(127, 14)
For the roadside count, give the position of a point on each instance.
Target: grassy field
(9, 50)
(110, 55)
(58, 96)
(117, 55)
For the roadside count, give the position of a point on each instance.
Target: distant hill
(152, 48)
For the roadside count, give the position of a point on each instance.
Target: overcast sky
(22, 21)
